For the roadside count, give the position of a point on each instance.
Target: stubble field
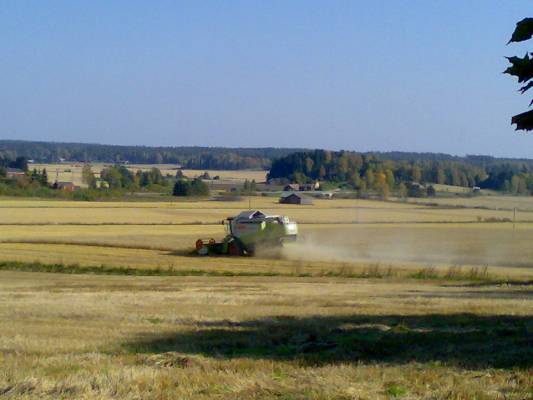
(72, 172)
(378, 300)
(334, 234)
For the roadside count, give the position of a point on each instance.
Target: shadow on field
(472, 294)
(465, 340)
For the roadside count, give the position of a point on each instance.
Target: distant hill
(300, 165)
(89, 152)
(194, 157)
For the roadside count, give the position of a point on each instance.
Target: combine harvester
(249, 231)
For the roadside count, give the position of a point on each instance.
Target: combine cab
(249, 231)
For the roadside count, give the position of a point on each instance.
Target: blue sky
(413, 75)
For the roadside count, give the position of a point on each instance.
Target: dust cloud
(435, 244)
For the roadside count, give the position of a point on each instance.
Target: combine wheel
(235, 248)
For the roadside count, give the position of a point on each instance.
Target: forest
(387, 171)
(188, 157)
(380, 171)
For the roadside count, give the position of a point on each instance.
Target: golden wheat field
(71, 172)
(102, 337)
(338, 232)
(377, 300)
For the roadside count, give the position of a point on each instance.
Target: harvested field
(65, 336)
(72, 172)
(354, 232)
(404, 301)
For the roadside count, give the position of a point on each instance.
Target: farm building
(66, 186)
(296, 198)
(325, 195)
(277, 181)
(309, 187)
(291, 187)
(14, 173)
(303, 187)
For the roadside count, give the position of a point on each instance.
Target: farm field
(341, 232)
(72, 172)
(405, 247)
(377, 300)
(84, 336)
(209, 212)
(494, 202)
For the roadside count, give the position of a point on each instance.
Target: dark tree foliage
(188, 157)
(146, 179)
(195, 188)
(39, 177)
(522, 68)
(118, 177)
(18, 163)
(415, 191)
(44, 177)
(87, 176)
(372, 172)
(181, 188)
(249, 187)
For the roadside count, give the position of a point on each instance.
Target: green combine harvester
(249, 231)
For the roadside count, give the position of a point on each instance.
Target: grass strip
(472, 276)
(112, 270)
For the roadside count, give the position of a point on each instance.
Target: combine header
(249, 231)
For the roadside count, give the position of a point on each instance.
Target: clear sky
(417, 75)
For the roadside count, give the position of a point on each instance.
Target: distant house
(303, 187)
(14, 173)
(295, 198)
(309, 187)
(325, 195)
(416, 189)
(291, 187)
(66, 186)
(277, 181)
(416, 185)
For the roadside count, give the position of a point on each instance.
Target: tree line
(372, 172)
(119, 177)
(15, 162)
(115, 181)
(188, 157)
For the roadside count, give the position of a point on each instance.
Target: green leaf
(523, 121)
(523, 31)
(525, 88)
(521, 68)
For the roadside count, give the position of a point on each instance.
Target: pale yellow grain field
(71, 172)
(338, 232)
(102, 337)
(287, 336)
(494, 202)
